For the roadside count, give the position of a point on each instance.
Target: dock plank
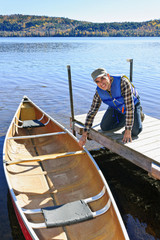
(144, 150)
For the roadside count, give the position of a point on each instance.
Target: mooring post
(71, 98)
(131, 68)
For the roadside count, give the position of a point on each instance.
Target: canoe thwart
(46, 157)
(36, 136)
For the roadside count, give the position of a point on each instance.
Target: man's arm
(89, 119)
(129, 103)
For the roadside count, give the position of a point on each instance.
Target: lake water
(36, 67)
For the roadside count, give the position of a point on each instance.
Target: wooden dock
(144, 150)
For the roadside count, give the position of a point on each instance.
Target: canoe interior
(56, 181)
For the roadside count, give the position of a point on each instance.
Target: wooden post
(71, 98)
(131, 68)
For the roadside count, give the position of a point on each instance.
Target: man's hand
(127, 136)
(83, 139)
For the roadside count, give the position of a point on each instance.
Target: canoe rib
(36, 136)
(46, 157)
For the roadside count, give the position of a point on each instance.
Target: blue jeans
(113, 119)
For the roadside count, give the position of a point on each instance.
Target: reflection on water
(137, 195)
(140, 230)
(36, 67)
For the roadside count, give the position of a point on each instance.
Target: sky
(86, 10)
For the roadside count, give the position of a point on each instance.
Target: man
(123, 102)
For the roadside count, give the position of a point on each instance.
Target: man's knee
(104, 127)
(136, 131)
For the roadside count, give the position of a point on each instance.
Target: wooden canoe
(57, 189)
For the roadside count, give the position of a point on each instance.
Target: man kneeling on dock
(123, 102)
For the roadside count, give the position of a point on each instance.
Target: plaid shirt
(128, 100)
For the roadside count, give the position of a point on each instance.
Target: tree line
(36, 26)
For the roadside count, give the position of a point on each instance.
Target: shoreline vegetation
(43, 26)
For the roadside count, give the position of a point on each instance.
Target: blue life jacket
(114, 99)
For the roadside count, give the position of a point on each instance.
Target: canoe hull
(45, 167)
(21, 222)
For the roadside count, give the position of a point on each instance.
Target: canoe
(57, 189)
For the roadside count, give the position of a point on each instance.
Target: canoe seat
(31, 124)
(69, 213)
